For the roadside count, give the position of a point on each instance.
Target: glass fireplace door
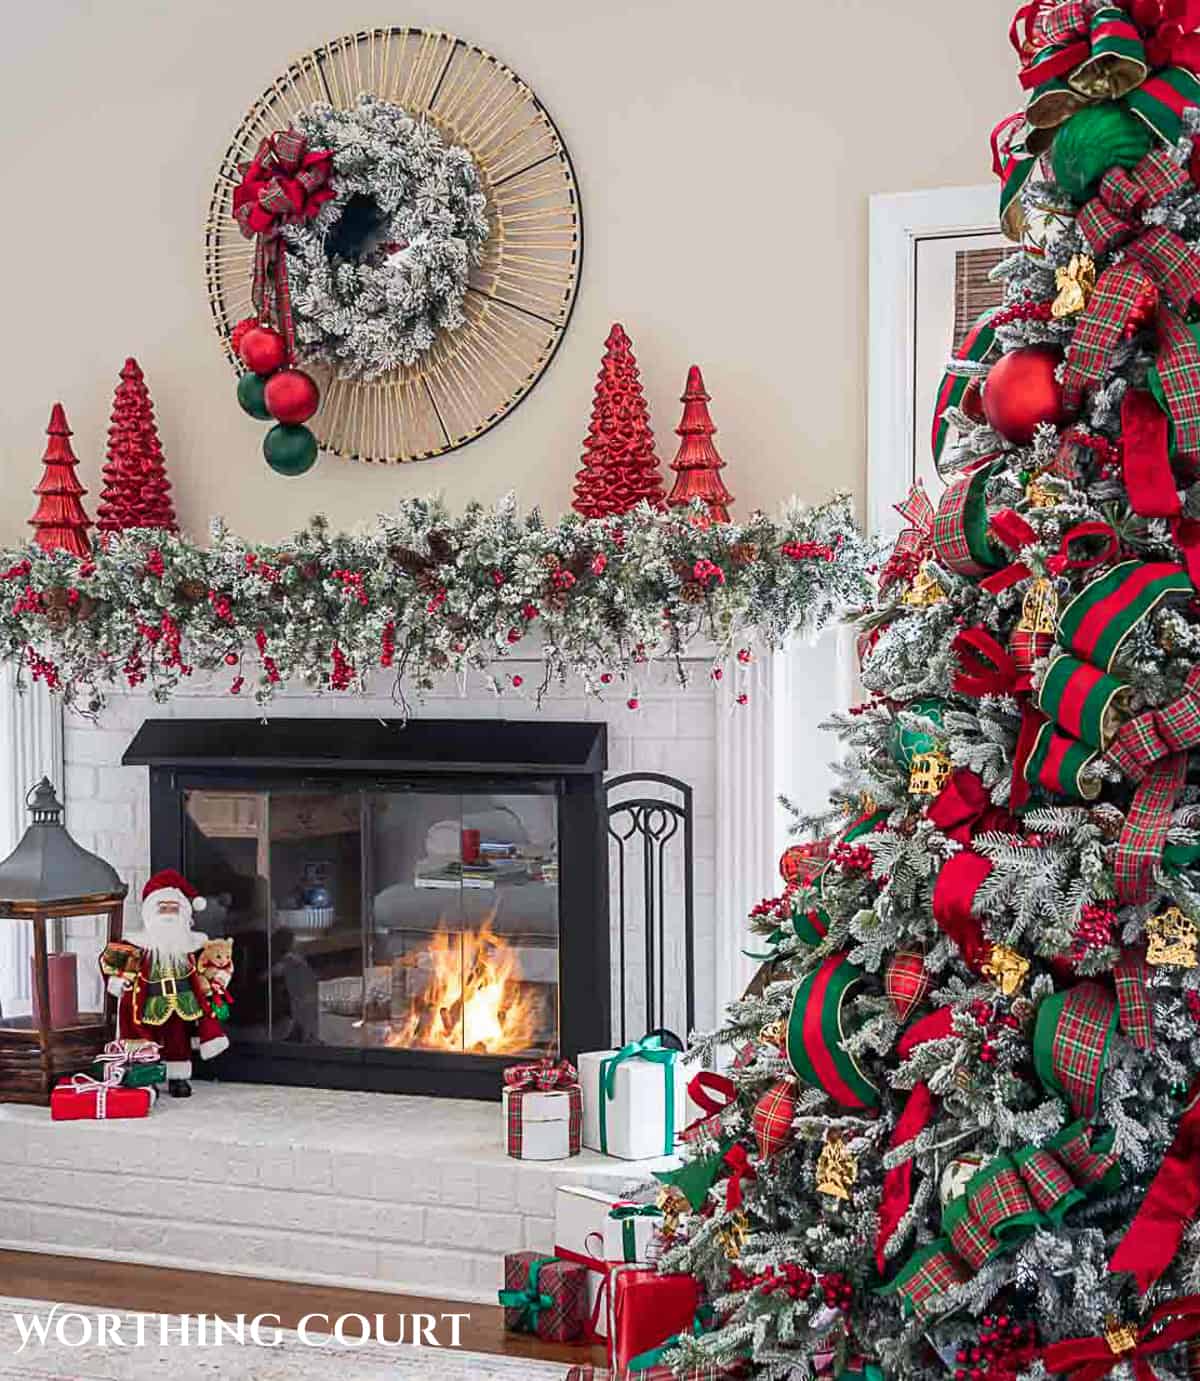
(462, 921)
(407, 920)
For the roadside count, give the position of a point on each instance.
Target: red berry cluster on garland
(797, 1282)
(852, 858)
(1094, 929)
(809, 551)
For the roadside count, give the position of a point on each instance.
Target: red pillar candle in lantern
(62, 975)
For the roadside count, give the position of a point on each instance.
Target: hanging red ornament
(800, 863)
(1021, 392)
(697, 463)
(906, 981)
(60, 524)
(291, 396)
(772, 1117)
(239, 333)
(263, 350)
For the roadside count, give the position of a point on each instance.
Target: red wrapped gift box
(644, 1310)
(545, 1296)
(86, 1099)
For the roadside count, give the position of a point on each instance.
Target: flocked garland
(383, 266)
(423, 594)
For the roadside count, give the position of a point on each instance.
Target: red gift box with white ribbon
(84, 1099)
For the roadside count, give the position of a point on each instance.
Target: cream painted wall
(725, 154)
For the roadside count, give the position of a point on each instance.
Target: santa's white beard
(170, 936)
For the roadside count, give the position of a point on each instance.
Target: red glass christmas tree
(619, 466)
(697, 461)
(136, 490)
(60, 524)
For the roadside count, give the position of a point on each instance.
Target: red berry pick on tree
(136, 490)
(60, 524)
(619, 468)
(697, 461)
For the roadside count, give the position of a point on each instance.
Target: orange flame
(474, 1000)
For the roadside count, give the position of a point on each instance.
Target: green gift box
(136, 1076)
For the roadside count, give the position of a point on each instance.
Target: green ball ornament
(1093, 140)
(290, 450)
(904, 744)
(251, 394)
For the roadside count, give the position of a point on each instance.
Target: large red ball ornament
(291, 396)
(262, 350)
(1021, 392)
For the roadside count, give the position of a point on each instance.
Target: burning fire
(474, 1000)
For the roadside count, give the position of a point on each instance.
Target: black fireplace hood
(511, 747)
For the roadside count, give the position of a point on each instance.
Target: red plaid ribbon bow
(1089, 1359)
(912, 544)
(543, 1075)
(1155, 260)
(1151, 750)
(285, 183)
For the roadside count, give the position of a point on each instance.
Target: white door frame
(898, 222)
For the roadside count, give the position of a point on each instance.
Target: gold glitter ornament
(1173, 939)
(1007, 969)
(1075, 284)
(924, 592)
(929, 773)
(733, 1237)
(837, 1169)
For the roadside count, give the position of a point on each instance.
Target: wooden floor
(158, 1290)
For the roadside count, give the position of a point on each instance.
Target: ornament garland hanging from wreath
(393, 248)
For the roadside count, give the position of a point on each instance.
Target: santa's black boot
(179, 1088)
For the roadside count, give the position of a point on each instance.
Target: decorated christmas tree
(962, 1137)
(697, 463)
(136, 490)
(619, 468)
(60, 524)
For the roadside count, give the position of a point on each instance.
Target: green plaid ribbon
(1006, 1201)
(960, 526)
(1070, 1044)
(1134, 1010)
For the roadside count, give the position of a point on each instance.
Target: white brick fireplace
(321, 1198)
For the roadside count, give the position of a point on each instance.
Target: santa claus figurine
(160, 977)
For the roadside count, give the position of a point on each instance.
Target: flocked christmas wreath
(383, 266)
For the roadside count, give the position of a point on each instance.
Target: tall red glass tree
(136, 490)
(60, 524)
(620, 467)
(697, 463)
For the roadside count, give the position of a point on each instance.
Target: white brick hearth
(407, 1194)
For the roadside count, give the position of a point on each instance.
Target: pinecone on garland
(136, 491)
(60, 524)
(620, 467)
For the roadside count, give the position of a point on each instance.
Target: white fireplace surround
(738, 758)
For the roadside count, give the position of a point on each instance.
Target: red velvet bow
(284, 183)
(1089, 1359)
(738, 1160)
(1013, 530)
(986, 667)
(544, 1075)
(701, 1091)
(963, 808)
(1168, 27)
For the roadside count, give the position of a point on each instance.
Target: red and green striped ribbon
(1118, 56)
(1057, 763)
(1082, 700)
(816, 1035)
(960, 526)
(1161, 100)
(1005, 1202)
(1071, 1038)
(975, 349)
(1096, 623)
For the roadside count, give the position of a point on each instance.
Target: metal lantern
(48, 880)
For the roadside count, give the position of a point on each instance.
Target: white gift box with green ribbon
(635, 1099)
(629, 1230)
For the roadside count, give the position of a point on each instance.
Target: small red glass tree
(60, 524)
(619, 468)
(136, 490)
(697, 461)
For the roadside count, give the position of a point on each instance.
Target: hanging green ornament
(290, 450)
(904, 744)
(250, 394)
(1093, 140)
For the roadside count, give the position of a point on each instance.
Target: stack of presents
(122, 1081)
(602, 1283)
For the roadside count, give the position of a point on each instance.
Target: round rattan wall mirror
(520, 294)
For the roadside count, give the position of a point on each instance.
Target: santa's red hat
(169, 881)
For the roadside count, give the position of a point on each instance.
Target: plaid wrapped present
(544, 1296)
(543, 1124)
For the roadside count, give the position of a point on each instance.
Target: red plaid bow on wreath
(285, 183)
(544, 1075)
